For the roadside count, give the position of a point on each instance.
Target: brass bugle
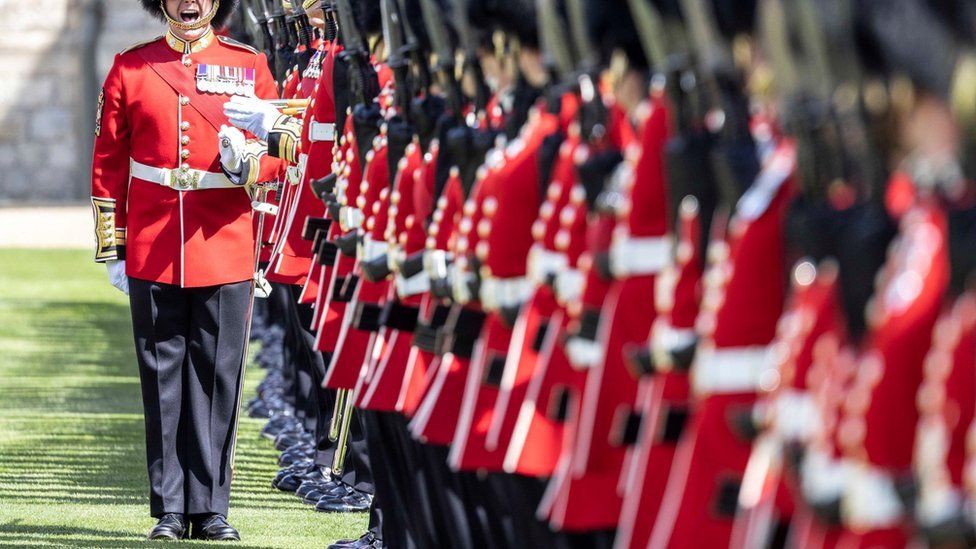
(292, 103)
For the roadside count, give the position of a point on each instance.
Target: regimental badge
(98, 113)
(217, 79)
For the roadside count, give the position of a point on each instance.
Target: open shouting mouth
(190, 15)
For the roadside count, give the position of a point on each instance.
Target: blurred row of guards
(630, 273)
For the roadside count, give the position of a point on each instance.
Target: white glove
(231, 143)
(117, 276)
(252, 115)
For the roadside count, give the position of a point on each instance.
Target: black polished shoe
(353, 502)
(215, 528)
(366, 541)
(297, 467)
(170, 526)
(292, 481)
(288, 439)
(312, 491)
(295, 454)
(279, 424)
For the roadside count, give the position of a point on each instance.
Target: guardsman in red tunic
(744, 293)
(946, 404)
(304, 142)
(903, 312)
(174, 225)
(662, 397)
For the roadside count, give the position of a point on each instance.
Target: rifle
(397, 60)
(593, 113)
(284, 47)
(733, 156)
(304, 32)
(412, 49)
(470, 64)
(444, 54)
(557, 54)
(365, 87)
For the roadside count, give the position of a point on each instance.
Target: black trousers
(189, 344)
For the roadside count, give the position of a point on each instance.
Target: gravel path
(47, 227)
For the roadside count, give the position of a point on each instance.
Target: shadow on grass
(16, 534)
(72, 432)
(70, 415)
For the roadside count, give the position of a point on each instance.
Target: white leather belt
(796, 415)
(569, 286)
(351, 218)
(632, 256)
(730, 370)
(437, 264)
(321, 131)
(416, 284)
(370, 249)
(180, 179)
(544, 263)
(871, 501)
(496, 292)
(583, 353)
(461, 287)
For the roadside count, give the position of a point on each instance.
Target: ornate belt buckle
(183, 179)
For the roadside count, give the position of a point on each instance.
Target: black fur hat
(611, 28)
(516, 17)
(227, 7)
(368, 16)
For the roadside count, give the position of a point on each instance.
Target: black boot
(214, 528)
(170, 526)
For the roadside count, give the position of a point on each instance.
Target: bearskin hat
(611, 28)
(227, 7)
(516, 17)
(368, 16)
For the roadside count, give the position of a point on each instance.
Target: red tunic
(167, 234)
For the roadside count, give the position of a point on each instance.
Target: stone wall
(53, 57)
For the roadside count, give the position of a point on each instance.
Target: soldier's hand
(117, 276)
(252, 115)
(231, 143)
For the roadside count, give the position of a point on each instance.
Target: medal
(222, 80)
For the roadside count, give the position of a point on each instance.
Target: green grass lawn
(72, 461)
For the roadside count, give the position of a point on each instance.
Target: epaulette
(231, 42)
(140, 44)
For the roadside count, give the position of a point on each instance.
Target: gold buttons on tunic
(184, 100)
(185, 140)
(184, 126)
(184, 154)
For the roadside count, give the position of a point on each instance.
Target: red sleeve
(110, 167)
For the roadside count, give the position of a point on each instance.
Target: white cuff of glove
(252, 115)
(231, 144)
(117, 276)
